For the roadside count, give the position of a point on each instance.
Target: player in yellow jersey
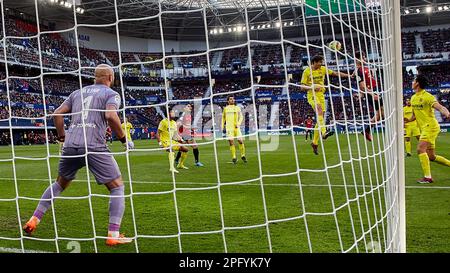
(423, 104)
(127, 127)
(168, 137)
(231, 121)
(411, 128)
(313, 80)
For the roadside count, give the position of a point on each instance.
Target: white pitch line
(19, 250)
(225, 184)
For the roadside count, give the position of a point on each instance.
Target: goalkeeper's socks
(242, 149)
(196, 153)
(425, 162)
(116, 208)
(45, 204)
(442, 160)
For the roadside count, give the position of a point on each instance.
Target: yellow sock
(425, 162)
(316, 135)
(242, 149)
(408, 147)
(442, 160)
(171, 159)
(183, 158)
(233, 151)
(322, 124)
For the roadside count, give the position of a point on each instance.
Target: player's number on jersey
(87, 105)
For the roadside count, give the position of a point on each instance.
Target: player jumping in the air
(168, 136)
(127, 127)
(313, 80)
(368, 88)
(186, 132)
(411, 128)
(423, 105)
(89, 125)
(231, 122)
(309, 123)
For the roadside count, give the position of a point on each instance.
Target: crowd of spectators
(436, 40)
(27, 137)
(142, 96)
(409, 45)
(199, 61)
(267, 55)
(4, 138)
(57, 53)
(436, 74)
(239, 56)
(189, 91)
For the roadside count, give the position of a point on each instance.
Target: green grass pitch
(198, 200)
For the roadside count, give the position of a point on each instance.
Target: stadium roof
(220, 14)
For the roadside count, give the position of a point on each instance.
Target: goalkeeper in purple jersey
(87, 131)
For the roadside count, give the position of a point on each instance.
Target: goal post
(397, 50)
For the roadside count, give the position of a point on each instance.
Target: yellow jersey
(167, 129)
(318, 77)
(127, 126)
(407, 113)
(422, 104)
(231, 117)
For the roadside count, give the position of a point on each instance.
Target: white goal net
(167, 54)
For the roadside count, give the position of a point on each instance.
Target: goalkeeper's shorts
(233, 132)
(103, 166)
(412, 131)
(320, 100)
(175, 145)
(429, 135)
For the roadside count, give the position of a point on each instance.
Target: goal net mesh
(285, 199)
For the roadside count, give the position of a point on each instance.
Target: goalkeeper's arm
(59, 121)
(114, 122)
